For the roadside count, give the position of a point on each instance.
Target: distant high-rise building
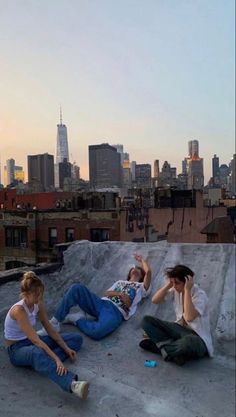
(167, 176)
(19, 175)
(156, 168)
(195, 174)
(223, 174)
(143, 175)
(104, 166)
(133, 165)
(75, 171)
(10, 171)
(41, 169)
(193, 148)
(127, 180)
(62, 148)
(184, 166)
(194, 167)
(64, 172)
(123, 155)
(215, 169)
(233, 176)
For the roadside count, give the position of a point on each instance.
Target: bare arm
(147, 270)
(126, 299)
(43, 317)
(18, 313)
(111, 293)
(161, 293)
(190, 313)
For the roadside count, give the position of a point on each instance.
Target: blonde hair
(31, 283)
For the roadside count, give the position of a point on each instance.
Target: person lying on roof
(118, 304)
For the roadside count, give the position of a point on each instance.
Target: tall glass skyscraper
(62, 153)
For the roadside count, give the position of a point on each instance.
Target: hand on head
(188, 282)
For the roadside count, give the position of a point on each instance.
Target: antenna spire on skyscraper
(60, 115)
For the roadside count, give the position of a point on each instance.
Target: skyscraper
(215, 169)
(194, 167)
(104, 166)
(62, 148)
(143, 175)
(193, 148)
(233, 176)
(156, 168)
(64, 172)
(10, 171)
(41, 169)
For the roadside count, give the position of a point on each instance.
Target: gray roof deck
(121, 385)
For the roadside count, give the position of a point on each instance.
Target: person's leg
(78, 295)
(27, 354)
(188, 346)
(110, 318)
(160, 330)
(73, 340)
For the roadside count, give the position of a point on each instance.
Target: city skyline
(179, 167)
(151, 77)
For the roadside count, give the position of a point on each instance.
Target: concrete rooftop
(121, 385)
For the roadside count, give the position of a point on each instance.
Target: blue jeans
(108, 316)
(25, 353)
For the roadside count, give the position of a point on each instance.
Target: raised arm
(161, 293)
(147, 270)
(190, 312)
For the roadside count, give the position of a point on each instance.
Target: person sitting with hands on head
(118, 304)
(45, 354)
(190, 336)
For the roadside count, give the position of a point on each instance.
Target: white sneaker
(55, 324)
(73, 317)
(80, 388)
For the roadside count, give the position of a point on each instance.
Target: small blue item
(150, 364)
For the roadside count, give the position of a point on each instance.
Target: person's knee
(75, 287)
(146, 321)
(97, 334)
(191, 344)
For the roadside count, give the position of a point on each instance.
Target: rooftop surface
(121, 385)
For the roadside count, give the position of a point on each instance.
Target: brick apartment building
(30, 225)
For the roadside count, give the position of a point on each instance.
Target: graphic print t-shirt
(135, 290)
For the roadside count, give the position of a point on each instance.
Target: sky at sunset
(149, 74)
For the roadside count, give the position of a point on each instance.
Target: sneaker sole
(85, 392)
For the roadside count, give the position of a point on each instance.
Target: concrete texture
(120, 384)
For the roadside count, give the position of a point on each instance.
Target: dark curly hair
(179, 272)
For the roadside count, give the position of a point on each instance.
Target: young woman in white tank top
(20, 333)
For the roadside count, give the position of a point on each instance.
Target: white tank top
(12, 330)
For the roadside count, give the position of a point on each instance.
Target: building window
(99, 235)
(16, 237)
(14, 264)
(70, 234)
(52, 236)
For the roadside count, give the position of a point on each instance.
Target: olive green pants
(173, 339)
